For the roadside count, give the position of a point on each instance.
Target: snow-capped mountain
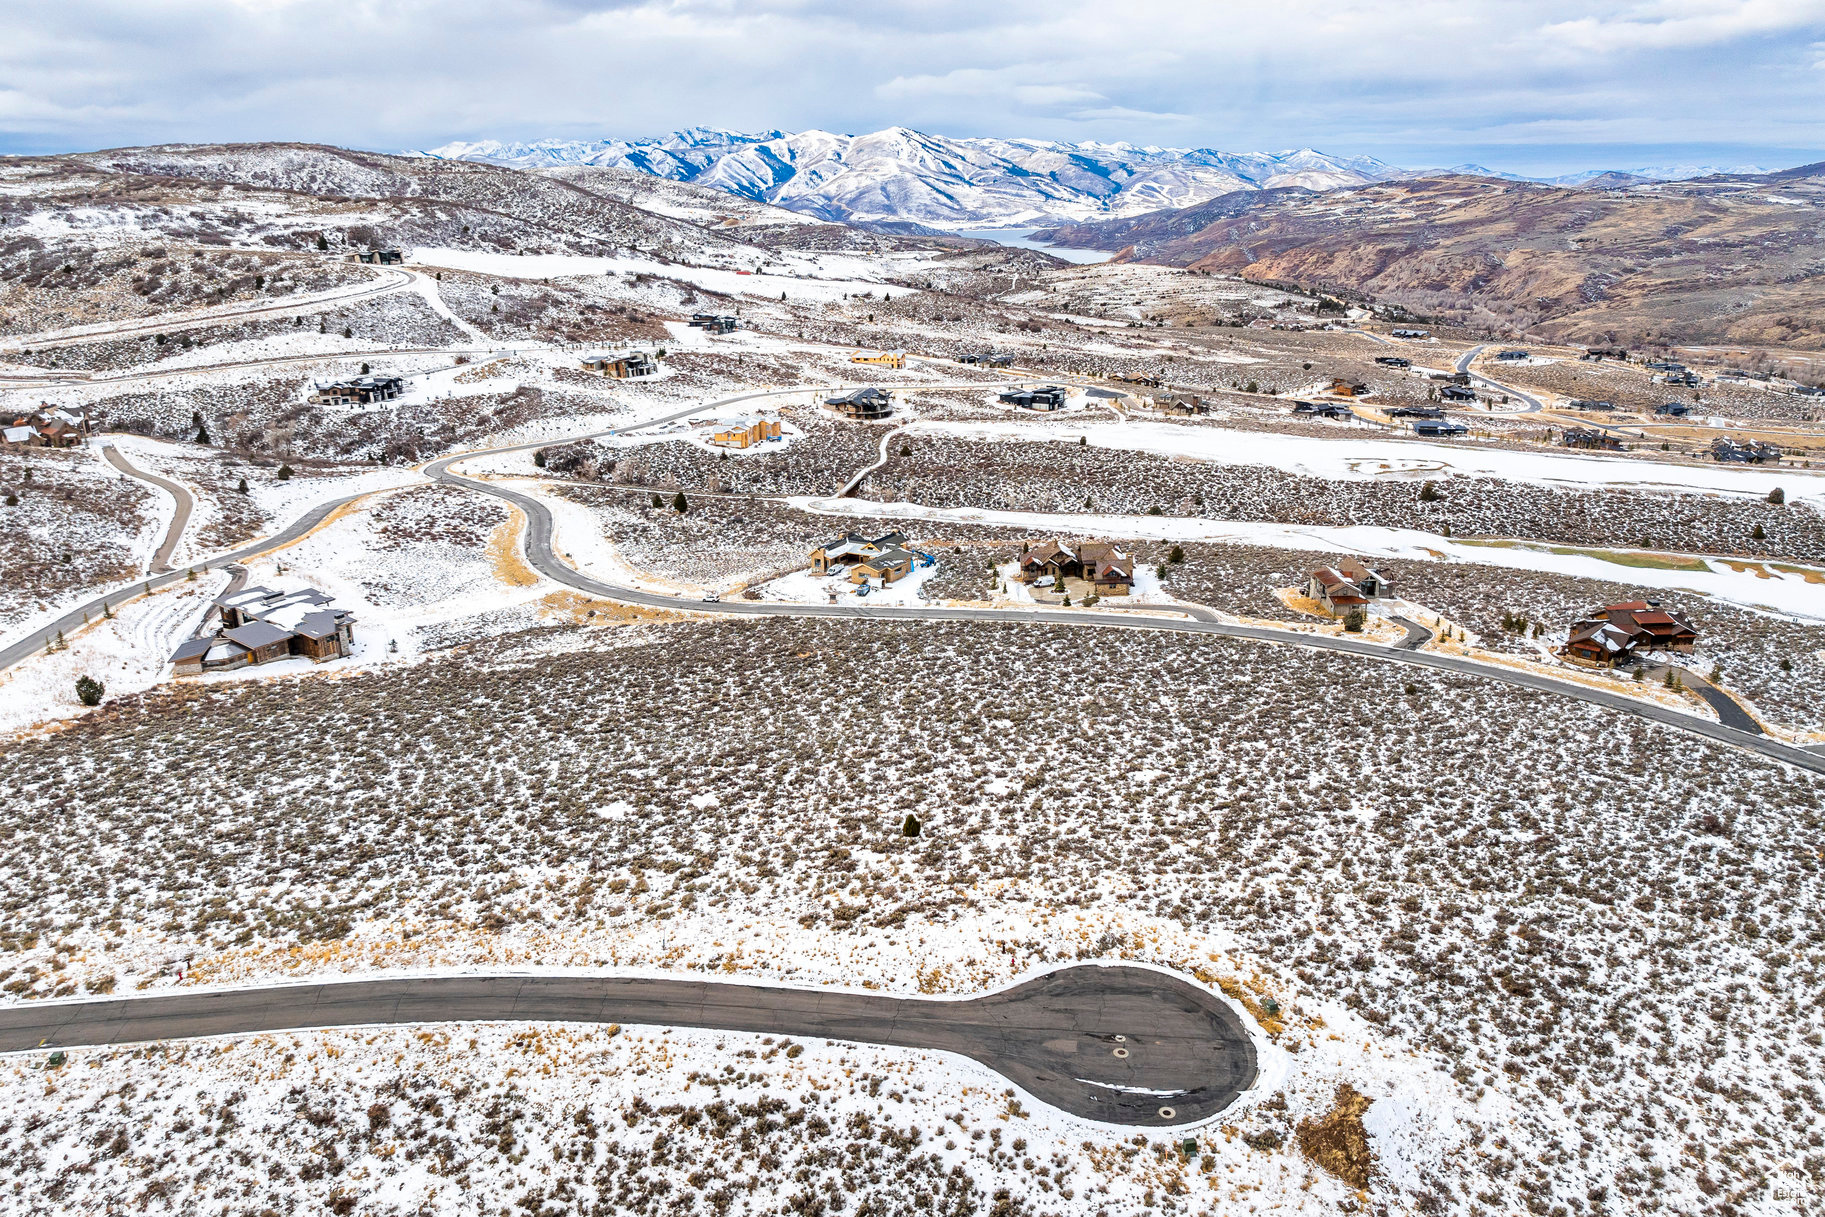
(901, 174)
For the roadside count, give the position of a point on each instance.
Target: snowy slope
(901, 174)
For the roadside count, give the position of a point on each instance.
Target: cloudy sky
(1526, 85)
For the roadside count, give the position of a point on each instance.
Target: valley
(651, 645)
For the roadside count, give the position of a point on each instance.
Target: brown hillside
(1740, 260)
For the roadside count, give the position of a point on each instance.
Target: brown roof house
(1107, 570)
(1615, 632)
(1338, 595)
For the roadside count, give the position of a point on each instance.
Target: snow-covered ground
(1759, 586)
(802, 282)
(1370, 458)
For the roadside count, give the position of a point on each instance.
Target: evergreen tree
(1777, 496)
(285, 473)
(909, 827)
(202, 433)
(242, 486)
(678, 503)
(322, 243)
(89, 690)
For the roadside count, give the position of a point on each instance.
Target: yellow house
(887, 359)
(890, 566)
(746, 432)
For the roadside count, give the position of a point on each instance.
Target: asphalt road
(81, 614)
(542, 557)
(1121, 1045)
(161, 561)
(1463, 365)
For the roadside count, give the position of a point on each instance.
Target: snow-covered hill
(901, 174)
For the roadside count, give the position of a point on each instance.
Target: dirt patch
(587, 610)
(1337, 1142)
(504, 552)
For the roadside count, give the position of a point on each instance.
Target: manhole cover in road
(1121, 1052)
(1167, 1113)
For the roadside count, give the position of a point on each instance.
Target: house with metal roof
(260, 625)
(863, 405)
(1615, 632)
(852, 549)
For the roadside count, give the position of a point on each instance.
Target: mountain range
(902, 175)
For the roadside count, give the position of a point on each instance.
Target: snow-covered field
(800, 277)
(1372, 459)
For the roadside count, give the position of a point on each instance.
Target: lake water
(1022, 238)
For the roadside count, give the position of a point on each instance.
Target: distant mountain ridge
(909, 176)
(906, 175)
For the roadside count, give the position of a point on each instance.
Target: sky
(1528, 86)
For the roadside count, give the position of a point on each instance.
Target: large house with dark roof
(1107, 570)
(259, 625)
(1614, 633)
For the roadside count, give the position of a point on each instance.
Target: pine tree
(322, 243)
(1758, 533)
(285, 473)
(89, 690)
(678, 503)
(242, 486)
(909, 827)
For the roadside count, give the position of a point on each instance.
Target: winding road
(544, 559)
(1116, 1044)
(161, 561)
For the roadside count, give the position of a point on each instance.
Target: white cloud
(1401, 78)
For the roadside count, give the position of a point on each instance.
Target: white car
(712, 598)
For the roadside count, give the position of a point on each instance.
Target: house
(1107, 570)
(1673, 409)
(1152, 382)
(1662, 365)
(46, 427)
(1338, 595)
(987, 360)
(628, 366)
(1510, 356)
(1369, 582)
(864, 405)
(852, 549)
(1343, 388)
(712, 323)
(1615, 632)
(358, 391)
(1582, 403)
(886, 359)
(1590, 437)
(1689, 379)
(1411, 333)
(1457, 393)
(1602, 353)
(1393, 361)
(746, 432)
(260, 625)
(1052, 397)
(886, 568)
(1322, 409)
(1182, 403)
(1416, 412)
(1439, 428)
(381, 257)
(187, 660)
(1751, 452)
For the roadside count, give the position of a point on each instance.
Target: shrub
(1777, 496)
(1758, 533)
(242, 486)
(1338, 1142)
(1354, 620)
(89, 690)
(1429, 493)
(678, 503)
(285, 473)
(1177, 555)
(909, 827)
